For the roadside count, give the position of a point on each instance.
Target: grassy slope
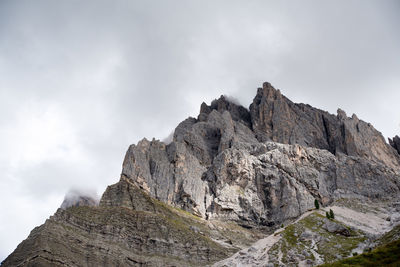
(387, 254)
(126, 234)
(179, 222)
(327, 246)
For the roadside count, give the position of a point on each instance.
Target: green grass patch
(387, 255)
(293, 247)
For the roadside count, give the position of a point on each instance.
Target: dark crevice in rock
(327, 134)
(395, 143)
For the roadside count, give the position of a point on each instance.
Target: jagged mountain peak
(267, 91)
(192, 171)
(275, 118)
(224, 103)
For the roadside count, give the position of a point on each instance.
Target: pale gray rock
(264, 184)
(336, 228)
(395, 219)
(306, 235)
(221, 165)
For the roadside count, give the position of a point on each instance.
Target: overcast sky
(81, 80)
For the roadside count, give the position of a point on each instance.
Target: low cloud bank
(78, 197)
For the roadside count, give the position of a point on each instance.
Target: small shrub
(367, 250)
(355, 253)
(316, 203)
(327, 215)
(331, 214)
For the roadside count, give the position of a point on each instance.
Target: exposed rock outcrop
(276, 118)
(395, 143)
(237, 112)
(262, 184)
(218, 167)
(336, 228)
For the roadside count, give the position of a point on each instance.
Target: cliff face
(234, 169)
(264, 166)
(276, 118)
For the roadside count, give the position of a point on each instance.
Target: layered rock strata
(128, 228)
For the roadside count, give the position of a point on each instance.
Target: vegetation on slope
(128, 228)
(386, 254)
(308, 240)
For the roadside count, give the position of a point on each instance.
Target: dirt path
(257, 254)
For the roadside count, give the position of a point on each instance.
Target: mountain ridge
(250, 170)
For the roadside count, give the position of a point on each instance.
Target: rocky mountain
(264, 166)
(229, 177)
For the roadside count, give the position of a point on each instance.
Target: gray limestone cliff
(264, 166)
(278, 119)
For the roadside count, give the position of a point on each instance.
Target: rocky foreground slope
(229, 177)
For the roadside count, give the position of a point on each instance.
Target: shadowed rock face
(253, 168)
(238, 113)
(276, 118)
(395, 143)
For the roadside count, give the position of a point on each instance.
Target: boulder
(334, 227)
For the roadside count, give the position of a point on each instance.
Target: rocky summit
(235, 187)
